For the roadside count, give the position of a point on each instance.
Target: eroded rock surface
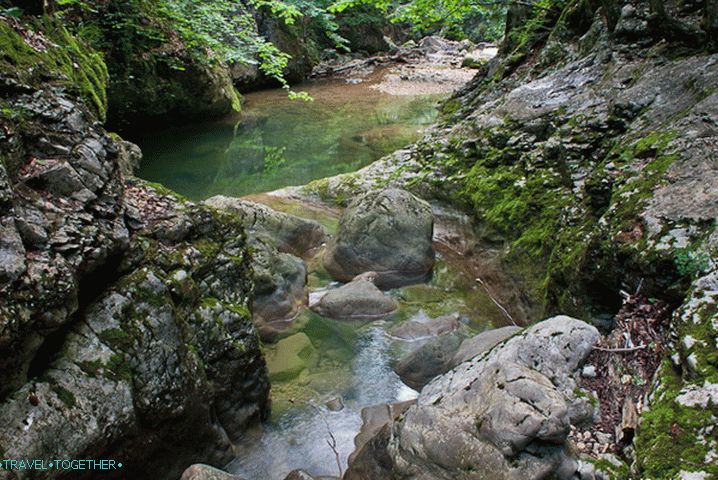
(165, 353)
(505, 415)
(388, 232)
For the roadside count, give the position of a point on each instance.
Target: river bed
(274, 143)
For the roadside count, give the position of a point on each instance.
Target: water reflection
(276, 142)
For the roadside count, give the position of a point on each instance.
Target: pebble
(589, 371)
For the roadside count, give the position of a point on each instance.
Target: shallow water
(277, 142)
(353, 360)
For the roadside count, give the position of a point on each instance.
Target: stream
(276, 143)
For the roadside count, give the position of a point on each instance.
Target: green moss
(62, 60)
(116, 338)
(91, 368)
(118, 367)
(668, 439)
(64, 395)
(615, 472)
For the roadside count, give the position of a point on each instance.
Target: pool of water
(351, 360)
(276, 142)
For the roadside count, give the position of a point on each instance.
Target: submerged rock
(357, 300)
(388, 232)
(292, 355)
(506, 415)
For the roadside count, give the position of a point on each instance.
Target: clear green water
(276, 142)
(351, 359)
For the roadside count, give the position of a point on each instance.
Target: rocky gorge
(570, 182)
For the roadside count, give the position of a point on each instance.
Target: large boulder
(280, 275)
(482, 343)
(430, 360)
(357, 300)
(290, 234)
(504, 416)
(388, 232)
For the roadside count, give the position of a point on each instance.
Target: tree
(443, 16)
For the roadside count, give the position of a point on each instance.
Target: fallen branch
(496, 302)
(620, 350)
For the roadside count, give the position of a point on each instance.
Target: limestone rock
(205, 472)
(505, 415)
(280, 289)
(388, 232)
(482, 343)
(430, 360)
(357, 300)
(290, 234)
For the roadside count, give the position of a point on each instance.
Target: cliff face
(124, 321)
(591, 144)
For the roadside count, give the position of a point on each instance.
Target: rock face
(506, 415)
(290, 234)
(61, 220)
(165, 351)
(280, 276)
(357, 300)
(388, 232)
(124, 310)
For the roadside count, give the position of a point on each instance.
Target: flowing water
(275, 143)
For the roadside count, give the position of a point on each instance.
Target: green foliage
(690, 263)
(475, 19)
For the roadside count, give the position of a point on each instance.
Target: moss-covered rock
(43, 52)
